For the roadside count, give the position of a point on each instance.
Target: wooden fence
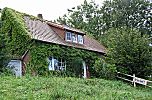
(133, 79)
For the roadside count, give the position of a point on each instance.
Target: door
(16, 67)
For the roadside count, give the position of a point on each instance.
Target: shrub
(129, 48)
(105, 70)
(5, 71)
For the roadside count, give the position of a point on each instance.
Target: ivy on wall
(15, 32)
(17, 41)
(40, 51)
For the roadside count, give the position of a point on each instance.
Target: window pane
(68, 36)
(56, 64)
(50, 63)
(74, 37)
(80, 39)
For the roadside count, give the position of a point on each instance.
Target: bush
(59, 74)
(129, 48)
(104, 70)
(5, 71)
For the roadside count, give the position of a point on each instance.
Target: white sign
(140, 81)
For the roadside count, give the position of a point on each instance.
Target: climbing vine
(15, 32)
(40, 51)
(17, 40)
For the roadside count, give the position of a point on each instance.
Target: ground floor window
(56, 64)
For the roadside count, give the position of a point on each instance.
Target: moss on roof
(16, 15)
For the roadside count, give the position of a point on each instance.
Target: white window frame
(52, 66)
(80, 39)
(68, 35)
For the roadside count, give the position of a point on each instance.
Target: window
(80, 39)
(56, 64)
(68, 36)
(74, 38)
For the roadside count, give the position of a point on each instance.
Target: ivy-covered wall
(17, 40)
(40, 51)
(15, 33)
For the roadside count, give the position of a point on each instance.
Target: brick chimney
(40, 16)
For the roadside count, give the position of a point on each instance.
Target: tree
(86, 17)
(96, 20)
(130, 50)
(129, 47)
(131, 13)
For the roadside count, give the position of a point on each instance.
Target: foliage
(14, 31)
(130, 13)
(77, 66)
(5, 71)
(105, 70)
(86, 17)
(97, 20)
(130, 50)
(2, 53)
(17, 42)
(41, 51)
(54, 88)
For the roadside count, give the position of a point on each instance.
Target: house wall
(60, 32)
(42, 50)
(27, 57)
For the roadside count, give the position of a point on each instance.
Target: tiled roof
(40, 30)
(65, 27)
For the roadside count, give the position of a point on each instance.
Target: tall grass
(44, 88)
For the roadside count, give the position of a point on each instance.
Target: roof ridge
(67, 27)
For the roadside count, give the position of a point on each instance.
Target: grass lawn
(55, 88)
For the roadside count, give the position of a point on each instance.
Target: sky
(51, 9)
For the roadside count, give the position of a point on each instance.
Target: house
(38, 45)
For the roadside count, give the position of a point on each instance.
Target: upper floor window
(80, 39)
(68, 36)
(74, 37)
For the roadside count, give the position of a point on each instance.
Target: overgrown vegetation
(41, 51)
(52, 88)
(104, 69)
(96, 20)
(17, 41)
(2, 53)
(15, 33)
(130, 51)
(123, 26)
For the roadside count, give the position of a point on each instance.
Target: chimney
(40, 16)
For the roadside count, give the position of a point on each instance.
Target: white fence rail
(134, 79)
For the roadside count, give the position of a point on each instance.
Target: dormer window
(73, 37)
(68, 36)
(80, 39)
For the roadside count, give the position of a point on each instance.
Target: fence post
(134, 80)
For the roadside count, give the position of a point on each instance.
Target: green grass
(55, 88)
